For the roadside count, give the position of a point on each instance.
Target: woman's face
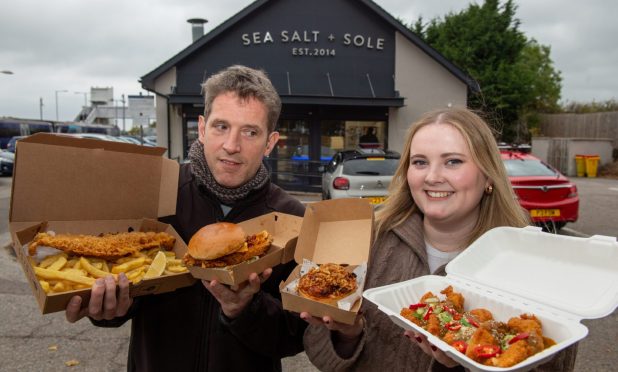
(445, 182)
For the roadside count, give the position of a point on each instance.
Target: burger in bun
(224, 244)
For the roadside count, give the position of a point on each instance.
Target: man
(208, 326)
(369, 137)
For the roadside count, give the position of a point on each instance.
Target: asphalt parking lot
(32, 342)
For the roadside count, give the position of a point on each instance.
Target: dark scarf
(227, 196)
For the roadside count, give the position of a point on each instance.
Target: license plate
(376, 199)
(545, 212)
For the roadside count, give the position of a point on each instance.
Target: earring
(489, 189)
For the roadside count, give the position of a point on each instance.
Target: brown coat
(397, 257)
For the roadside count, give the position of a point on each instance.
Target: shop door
(292, 163)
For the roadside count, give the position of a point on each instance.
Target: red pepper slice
(449, 310)
(519, 336)
(486, 351)
(460, 346)
(473, 322)
(453, 326)
(428, 313)
(416, 306)
(457, 316)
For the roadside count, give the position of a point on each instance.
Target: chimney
(197, 27)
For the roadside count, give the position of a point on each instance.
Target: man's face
(235, 138)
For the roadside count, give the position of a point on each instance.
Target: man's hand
(235, 299)
(103, 301)
(421, 341)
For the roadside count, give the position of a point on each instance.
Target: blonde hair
(499, 208)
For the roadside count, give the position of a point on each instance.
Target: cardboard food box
(512, 271)
(333, 231)
(72, 185)
(284, 229)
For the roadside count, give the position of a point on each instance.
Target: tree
(515, 75)
(535, 67)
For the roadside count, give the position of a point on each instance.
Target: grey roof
(149, 79)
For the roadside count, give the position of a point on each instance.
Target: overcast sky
(73, 45)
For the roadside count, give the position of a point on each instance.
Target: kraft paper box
(74, 185)
(284, 229)
(333, 231)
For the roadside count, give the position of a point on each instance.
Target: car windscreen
(522, 168)
(377, 166)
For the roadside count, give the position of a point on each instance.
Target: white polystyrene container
(511, 271)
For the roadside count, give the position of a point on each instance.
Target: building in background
(136, 110)
(336, 79)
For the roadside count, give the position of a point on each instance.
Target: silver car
(364, 173)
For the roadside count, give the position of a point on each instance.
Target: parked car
(150, 140)
(96, 136)
(10, 146)
(548, 195)
(7, 159)
(364, 173)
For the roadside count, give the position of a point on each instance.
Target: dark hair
(247, 83)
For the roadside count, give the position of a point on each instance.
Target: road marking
(614, 188)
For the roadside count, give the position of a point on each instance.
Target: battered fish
(107, 246)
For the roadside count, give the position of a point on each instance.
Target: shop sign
(313, 42)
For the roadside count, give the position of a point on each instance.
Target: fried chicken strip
(481, 315)
(480, 337)
(455, 298)
(107, 246)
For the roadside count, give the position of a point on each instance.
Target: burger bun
(216, 240)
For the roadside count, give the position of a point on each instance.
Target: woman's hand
(421, 341)
(345, 337)
(346, 331)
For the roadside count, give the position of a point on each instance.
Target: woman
(449, 189)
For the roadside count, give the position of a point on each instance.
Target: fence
(594, 125)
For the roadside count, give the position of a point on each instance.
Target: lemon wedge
(157, 266)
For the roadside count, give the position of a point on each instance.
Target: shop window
(191, 134)
(340, 135)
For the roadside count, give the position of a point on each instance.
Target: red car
(546, 193)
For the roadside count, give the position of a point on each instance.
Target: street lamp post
(58, 91)
(84, 112)
(85, 97)
(123, 114)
